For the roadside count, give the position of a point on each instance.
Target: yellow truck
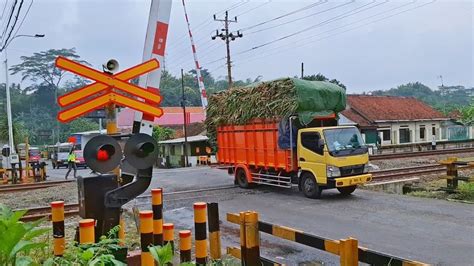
(324, 157)
(297, 146)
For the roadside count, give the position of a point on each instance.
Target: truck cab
(331, 157)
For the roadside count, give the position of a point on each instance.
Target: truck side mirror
(320, 144)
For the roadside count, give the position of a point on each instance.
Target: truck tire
(310, 186)
(241, 179)
(347, 190)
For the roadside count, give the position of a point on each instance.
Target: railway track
(72, 209)
(31, 186)
(418, 153)
(407, 171)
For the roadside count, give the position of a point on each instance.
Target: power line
(284, 15)
(227, 36)
(307, 16)
(333, 19)
(343, 26)
(13, 27)
(252, 9)
(9, 19)
(23, 20)
(341, 32)
(209, 21)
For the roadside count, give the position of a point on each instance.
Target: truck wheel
(310, 186)
(241, 179)
(347, 190)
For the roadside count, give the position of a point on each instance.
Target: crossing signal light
(102, 153)
(141, 151)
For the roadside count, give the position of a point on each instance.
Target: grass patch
(428, 194)
(465, 192)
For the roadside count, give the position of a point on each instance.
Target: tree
(467, 115)
(162, 133)
(446, 99)
(19, 131)
(40, 68)
(83, 124)
(321, 77)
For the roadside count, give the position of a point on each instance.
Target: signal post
(101, 196)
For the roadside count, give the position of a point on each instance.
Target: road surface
(429, 230)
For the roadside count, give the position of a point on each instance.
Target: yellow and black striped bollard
(157, 206)
(168, 234)
(185, 246)
(200, 235)
(214, 231)
(121, 233)
(146, 237)
(57, 217)
(87, 231)
(252, 239)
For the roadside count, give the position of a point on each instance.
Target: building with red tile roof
(396, 120)
(171, 116)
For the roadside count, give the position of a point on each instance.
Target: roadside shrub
(19, 240)
(100, 254)
(466, 191)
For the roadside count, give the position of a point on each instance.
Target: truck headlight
(332, 171)
(366, 168)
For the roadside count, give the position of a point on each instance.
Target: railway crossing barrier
(347, 249)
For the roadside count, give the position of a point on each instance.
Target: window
(433, 131)
(172, 150)
(385, 134)
(422, 132)
(404, 135)
(310, 140)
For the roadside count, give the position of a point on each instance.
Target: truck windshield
(344, 141)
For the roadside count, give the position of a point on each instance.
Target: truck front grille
(352, 170)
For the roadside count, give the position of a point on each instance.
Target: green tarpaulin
(318, 98)
(276, 98)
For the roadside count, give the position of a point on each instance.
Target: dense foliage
(446, 99)
(34, 101)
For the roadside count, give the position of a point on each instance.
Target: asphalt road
(433, 231)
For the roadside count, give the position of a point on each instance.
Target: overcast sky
(367, 45)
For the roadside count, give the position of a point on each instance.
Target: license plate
(355, 181)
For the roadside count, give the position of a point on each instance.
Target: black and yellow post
(168, 234)
(349, 252)
(86, 231)
(452, 173)
(185, 246)
(157, 206)
(200, 235)
(57, 217)
(121, 233)
(214, 231)
(252, 239)
(243, 248)
(146, 237)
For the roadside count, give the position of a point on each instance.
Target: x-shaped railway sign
(108, 85)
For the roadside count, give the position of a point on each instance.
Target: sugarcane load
(285, 133)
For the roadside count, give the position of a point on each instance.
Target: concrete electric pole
(227, 36)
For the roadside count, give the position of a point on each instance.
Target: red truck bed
(253, 144)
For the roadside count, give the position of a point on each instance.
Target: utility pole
(227, 36)
(183, 103)
(302, 70)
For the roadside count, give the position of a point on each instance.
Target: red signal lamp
(105, 152)
(102, 155)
